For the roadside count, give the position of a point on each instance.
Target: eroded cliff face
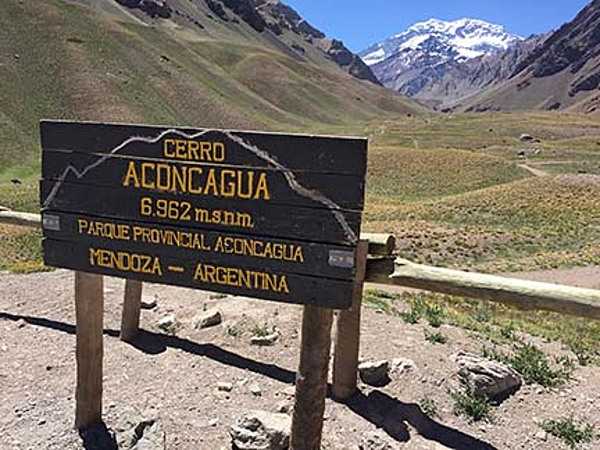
(575, 47)
(561, 72)
(263, 16)
(154, 8)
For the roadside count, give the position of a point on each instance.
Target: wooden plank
(132, 305)
(193, 179)
(194, 273)
(89, 306)
(347, 336)
(379, 243)
(293, 152)
(300, 223)
(523, 294)
(266, 188)
(311, 379)
(299, 257)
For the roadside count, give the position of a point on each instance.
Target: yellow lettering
(83, 225)
(146, 167)
(262, 190)
(228, 187)
(241, 278)
(126, 262)
(131, 176)
(218, 151)
(168, 148)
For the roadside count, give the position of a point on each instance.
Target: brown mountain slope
(99, 60)
(563, 72)
(279, 23)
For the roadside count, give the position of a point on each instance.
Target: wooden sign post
(264, 215)
(347, 334)
(311, 379)
(89, 311)
(132, 305)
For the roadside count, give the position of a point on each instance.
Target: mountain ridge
(98, 60)
(263, 16)
(413, 61)
(561, 72)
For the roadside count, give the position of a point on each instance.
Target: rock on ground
(208, 319)
(491, 379)
(374, 373)
(261, 430)
(374, 441)
(145, 435)
(264, 341)
(153, 438)
(526, 137)
(168, 323)
(401, 365)
(149, 303)
(224, 386)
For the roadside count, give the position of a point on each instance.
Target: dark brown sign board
(265, 215)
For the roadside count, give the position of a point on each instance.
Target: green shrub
(429, 407)
(534, 366)
(473, 406)
(570, 431)
(436, 337)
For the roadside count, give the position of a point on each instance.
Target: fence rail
(384, 269)
(19, 218)
(523, 294)
(375, 263)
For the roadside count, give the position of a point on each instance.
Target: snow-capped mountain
(410, 61)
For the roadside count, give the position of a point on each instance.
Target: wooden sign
(264, 215)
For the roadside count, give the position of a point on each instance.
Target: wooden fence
(375, 264)
(382, 268)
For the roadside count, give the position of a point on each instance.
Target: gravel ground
(174, 377)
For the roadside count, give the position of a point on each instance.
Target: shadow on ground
(385, 412)
(99, 437)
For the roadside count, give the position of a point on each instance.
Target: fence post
(311, 379)
(89, 308)
(347, 335)
(132, 304)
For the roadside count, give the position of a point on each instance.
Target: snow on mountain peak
(458, 40)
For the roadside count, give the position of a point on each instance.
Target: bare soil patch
(174, 377)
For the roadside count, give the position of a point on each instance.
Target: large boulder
(261, 430)
(484, 377)
(374, 373)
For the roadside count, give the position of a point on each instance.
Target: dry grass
(475, 207)
(447, 185)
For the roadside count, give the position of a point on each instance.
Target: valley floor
(174, 377)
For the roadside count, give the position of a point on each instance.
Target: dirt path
(535, 172)
(585, 277)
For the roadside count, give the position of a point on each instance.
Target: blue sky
(360, 23)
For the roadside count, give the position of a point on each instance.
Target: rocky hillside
(432, 60)
(455, 81)
(270, 17)
(562, 72)
(229, 63)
